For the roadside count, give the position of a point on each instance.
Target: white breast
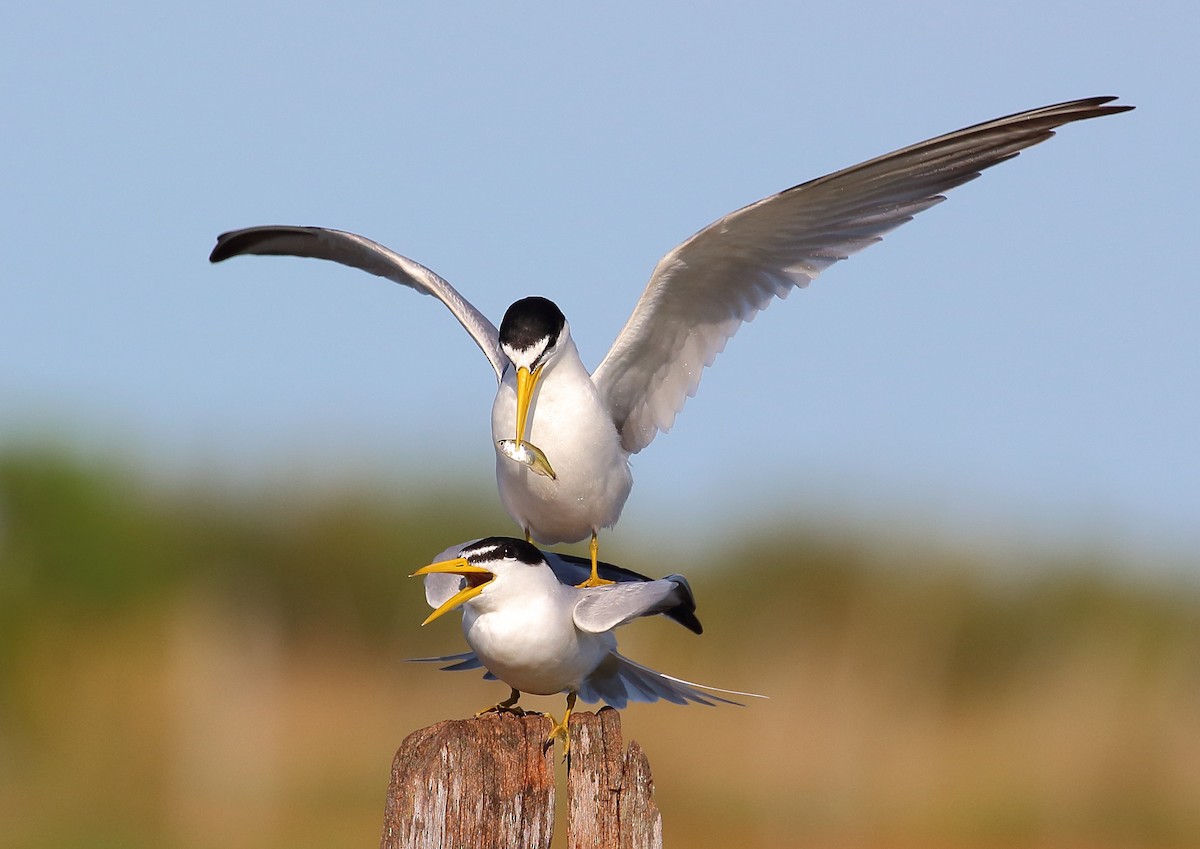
(531, 642)
(570, 424)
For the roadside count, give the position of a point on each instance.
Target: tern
(563, 437)
(530, 628)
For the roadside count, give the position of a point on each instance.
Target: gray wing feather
(572, 570)
(618, 681)
(702, 291)
(371, 257)
(440, 586)
(458, 663)
(601, 609)
(464, 660)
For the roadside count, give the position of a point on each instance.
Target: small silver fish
(529, 454)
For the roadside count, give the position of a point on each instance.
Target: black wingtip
(225, 248)
(251, 240)
(686, 618)
(685, 612)
(1099, 103)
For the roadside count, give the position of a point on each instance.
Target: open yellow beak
(457, 566)
(526, 383)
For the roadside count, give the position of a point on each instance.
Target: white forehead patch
(527, 356)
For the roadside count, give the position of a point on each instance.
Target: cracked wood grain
(489, 782)
(610, 794)
(478, 783)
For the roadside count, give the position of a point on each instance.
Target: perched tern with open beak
(530, 628)
(563, 437)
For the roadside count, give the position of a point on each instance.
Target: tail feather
(619, 680)
(458, 663)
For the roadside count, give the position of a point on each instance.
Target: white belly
(534, 652)
(569, 423)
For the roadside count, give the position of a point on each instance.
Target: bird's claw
(509, 705)
(560, 729)
(559, 732)
(594, 581)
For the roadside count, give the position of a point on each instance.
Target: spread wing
(572, 571)
(702, 291)
(618, 681)
(372, 257)
(601, 609)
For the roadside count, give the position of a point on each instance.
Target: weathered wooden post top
(489, 782)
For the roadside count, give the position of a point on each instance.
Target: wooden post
(477, 783)
(489, 782)
(610, 794)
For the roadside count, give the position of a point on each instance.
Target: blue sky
(1023, 358)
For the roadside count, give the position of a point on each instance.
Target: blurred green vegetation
(196, 664)
(94, 538)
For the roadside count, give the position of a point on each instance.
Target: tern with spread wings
(563, 436)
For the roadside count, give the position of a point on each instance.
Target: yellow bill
(526, 383)
(458, 566)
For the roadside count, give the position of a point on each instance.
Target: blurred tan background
(200, 665)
